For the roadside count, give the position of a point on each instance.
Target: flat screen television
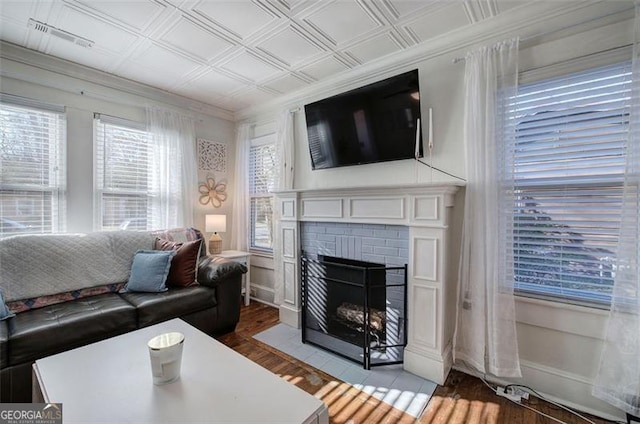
(374, 123)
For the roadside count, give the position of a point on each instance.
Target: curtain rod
(149, 102)
(463, 58)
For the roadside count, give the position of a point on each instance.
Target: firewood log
(355, 313)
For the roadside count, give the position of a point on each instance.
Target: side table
(245, 259)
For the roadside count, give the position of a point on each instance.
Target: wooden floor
(463, 398)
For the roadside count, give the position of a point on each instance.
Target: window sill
(562, 305)
(261, 253)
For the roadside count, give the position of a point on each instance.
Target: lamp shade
(216, 223)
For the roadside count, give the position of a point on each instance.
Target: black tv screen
(374, 123)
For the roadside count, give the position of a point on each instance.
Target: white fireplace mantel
(426, 210)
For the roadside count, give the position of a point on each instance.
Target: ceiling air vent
(56, 32)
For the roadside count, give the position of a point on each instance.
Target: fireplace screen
(355, 309)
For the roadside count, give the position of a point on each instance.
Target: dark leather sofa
(213, 307)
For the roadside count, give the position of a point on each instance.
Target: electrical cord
(489, 386)
(539, 412)
(440, 170)
(532, 391)
(538, 395)
(523, 405)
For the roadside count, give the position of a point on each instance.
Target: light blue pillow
(149, 271)
(4, 311)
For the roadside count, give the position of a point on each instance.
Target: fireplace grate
(355, 309)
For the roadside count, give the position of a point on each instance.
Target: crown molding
(65, 68)
(531, 21)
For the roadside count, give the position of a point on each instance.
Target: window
(262, 168)
(124, 175)
(569, 165)
(32, 166)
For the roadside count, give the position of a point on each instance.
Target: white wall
(219, 130)
(37, 83)
(559, 344)
(441, 90)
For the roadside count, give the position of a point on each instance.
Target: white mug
(165, 351)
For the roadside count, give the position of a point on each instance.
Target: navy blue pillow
(4, 311)
(149, 271)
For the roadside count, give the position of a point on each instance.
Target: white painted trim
(289, 315)
(319, 208)
(263, 288)
(263, 140)
(381, 203)
(262, 261)
(425, 354)
(289, 245)
(264, 302)
(290, 286)
(288, 208)
(417, 201)
(387, 190)
(573, 319)
(434, 241)
(427, 317)
(556, 372)
(576, 384)
(425, 366)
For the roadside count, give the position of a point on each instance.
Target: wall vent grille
(62, 34)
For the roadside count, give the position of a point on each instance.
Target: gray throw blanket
(41, 265)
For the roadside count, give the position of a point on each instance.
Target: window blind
(32, 165)
(262, 168)
(569, 163)
(124, 167)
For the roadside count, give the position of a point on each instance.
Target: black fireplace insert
(355, 309)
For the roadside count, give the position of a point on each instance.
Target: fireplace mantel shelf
(450, 187)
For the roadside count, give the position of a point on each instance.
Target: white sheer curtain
(240, 227)
(174, 170)
(485, 336)
(285, 151)
(618, 378)
(285, 154)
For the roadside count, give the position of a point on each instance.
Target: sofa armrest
(225, 276)
(213, 271)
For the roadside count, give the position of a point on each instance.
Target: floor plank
(463, 398)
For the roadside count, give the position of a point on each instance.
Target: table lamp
(215, 224)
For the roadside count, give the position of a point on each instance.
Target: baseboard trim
(264, 302)
(289, 315)
(434, 369)
(576, 386)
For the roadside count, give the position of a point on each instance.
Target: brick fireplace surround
(393, 225)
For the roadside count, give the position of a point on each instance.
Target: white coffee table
(110, 382)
